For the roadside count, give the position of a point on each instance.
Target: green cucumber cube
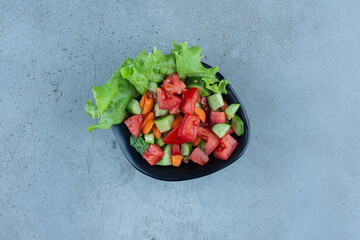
(221, 129)
(164, 123)
(149, 138)
(237, 125)
(159, 112)
(166, 159)
(134, 107)
(231, 110)
(215, 101)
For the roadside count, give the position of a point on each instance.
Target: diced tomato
(173, 85)
(190, 98)
(173, 137)
(199, 157)
(226, 147)
(167, 101)
(175, 110)
(231, 131)
(217, 117)
(189, 127)
(212, 140)
(175, 149)
(153, 154)
(134, 124)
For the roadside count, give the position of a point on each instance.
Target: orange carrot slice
(177, 121)
(176, 160)
(148, 105)
(201, 113)
(156, 132)
(150, 116)
(142, 101)
(148, 126)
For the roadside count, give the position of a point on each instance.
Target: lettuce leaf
(148, 67)
(111, 100)
(134, 75)
(216, 88)
(188, 62)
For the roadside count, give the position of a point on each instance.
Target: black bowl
(190, 170)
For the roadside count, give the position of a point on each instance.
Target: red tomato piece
(199, 157)
(189, 127)
(175, 110)
(217, 117)
(212, 140)
(190, 97)
(153, 154)
(175, 149)
(226, 147)
(167, 101)
(173, 137)
(173, 85)
(134, 124)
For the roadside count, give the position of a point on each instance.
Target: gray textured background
(295, 65)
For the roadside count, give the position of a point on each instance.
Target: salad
(172, 106)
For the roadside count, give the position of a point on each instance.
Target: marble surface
(294, 64)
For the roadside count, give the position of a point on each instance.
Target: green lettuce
(188, 64)
(216, 88)
(134, 75)
(148, 67)
(111, 100)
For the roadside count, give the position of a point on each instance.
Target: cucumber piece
(160, 142)
(152, 86)
(199, 84)
(186, 149)
(139, 144)
(197, 105)
(215, 101)
(164, 123)
(166, 159)
(134, 107)
(221, 129)
(201, 144)
(159, 112)
(237, 125)
(132, 139)
(149, 138)
(231, 110)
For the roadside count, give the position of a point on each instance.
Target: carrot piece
(196, 142)
(201, 113)
(176, 160)
(142, 101)
(148, 126)
(177, 121)
(224, 106)
(150, 116)
(156, 132)
(148, 105)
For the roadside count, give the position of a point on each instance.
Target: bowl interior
(190, 170)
